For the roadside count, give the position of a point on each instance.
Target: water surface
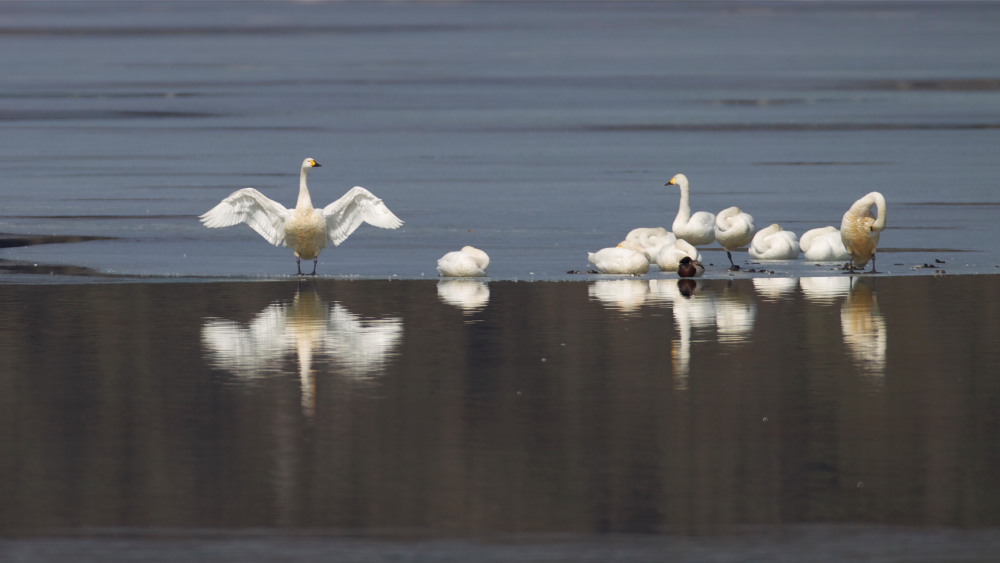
(817, 410)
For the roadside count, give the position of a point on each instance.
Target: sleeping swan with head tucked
(305, 229)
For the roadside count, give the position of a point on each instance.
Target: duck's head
(310, 163)
(678, 180)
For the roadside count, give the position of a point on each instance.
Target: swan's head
(678, 180)
(310, 163)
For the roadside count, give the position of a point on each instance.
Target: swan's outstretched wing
(357, 206)
(249, 206)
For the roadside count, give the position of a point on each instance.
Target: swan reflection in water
(698, 306)
(825, 289)
(308, 328)
(864, 328)
(468, 295)
(622, 294)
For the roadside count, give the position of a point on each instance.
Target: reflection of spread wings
(360, 347)
(306, 328)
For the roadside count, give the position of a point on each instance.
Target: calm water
(536, 131)
(168, 392)
(375, 414)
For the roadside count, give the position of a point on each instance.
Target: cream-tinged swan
(861, 229)
(774, 243)
(699, 228)
(733, 229)
(469, 262)
(305, 229)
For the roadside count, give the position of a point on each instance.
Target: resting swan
(305, 229)
(773, 243)
(823, 245)
(619, 260)
(698, 229)
(861, 229)
(669, 258)
(469, 262)
(651, 239)
(733, 229)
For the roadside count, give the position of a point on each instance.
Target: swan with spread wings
(305, 229)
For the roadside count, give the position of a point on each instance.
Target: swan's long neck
(305, 202)
(684, 209)
(879, 224)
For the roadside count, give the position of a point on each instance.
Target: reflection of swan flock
(704, 305)
(307, 231)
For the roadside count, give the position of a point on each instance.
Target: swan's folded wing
(249, 206)
(357, 206)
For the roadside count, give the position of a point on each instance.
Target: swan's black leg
(733, 267)
(873, 265)
(298, 265)
(315, 262)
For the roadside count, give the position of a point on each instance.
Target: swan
(823, 245)
(733, 229)
(774, 243)
(861, 229)
(619, 260)
(698, 229)
(689, 268)
(469, 262)
(651, 239)
(669, 258)
(305, 229)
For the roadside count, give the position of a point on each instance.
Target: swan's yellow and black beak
(314, 164)
(670, 183)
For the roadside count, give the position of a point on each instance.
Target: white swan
(469, 262)
(773, 243)
(733, 229)
(651, 239)
(698, 229)
(861, 229)
(618, 260)
(823, 245)
(305, 229)
(669, 258)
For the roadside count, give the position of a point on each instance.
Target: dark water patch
(822, 163)
(98, 217)
(8, 240)
(219, 30)
(99, 95)
(791, 127)
(934, 85)
(61, 115)
(951, 203)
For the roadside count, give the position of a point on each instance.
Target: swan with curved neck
(305, 229)
(861, 228)
(733, 228)
(697, 228)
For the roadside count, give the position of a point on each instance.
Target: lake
(172, 392)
